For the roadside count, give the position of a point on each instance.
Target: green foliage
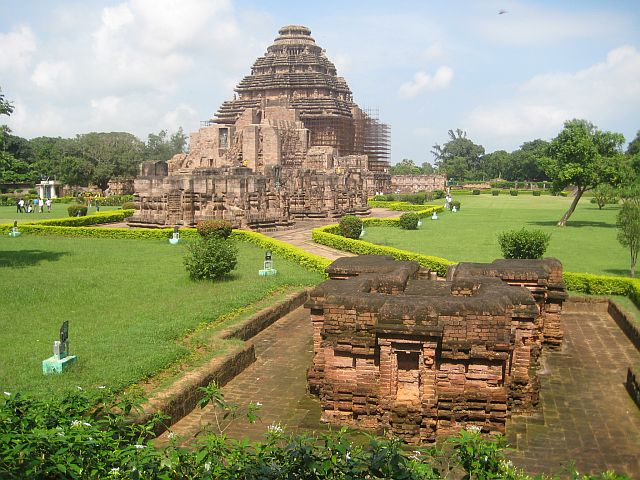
(210, 258)
(214, 228)
(128, 206)
(475, 192)
(111, 216)
(495, 193)
(459, 158)
(523, 243)
(77, 210)
(409, 221)
(604, 194)
(6, 107)
(350, 226)
(480, 459)
(455, 203)
(408, 167)
(513, 193)
(437, 194)
(114, 200)
(628, 223)
(331, 237)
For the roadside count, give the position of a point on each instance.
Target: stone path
(587, 415)
(277, 380)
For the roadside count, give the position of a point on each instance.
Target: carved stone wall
(417, 183)
(395, 350)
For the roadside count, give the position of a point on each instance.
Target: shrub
(77, 210)
(536, 193)
(210, 258)
(523, 243)
(475, 192)
(214, 228)
(128, 206)
(456, 204)
(409, 221)
(33, 191)
(604, 194)
(628, 223)
(495, 193)
(350, 226)
(438, 193)
(513, 193)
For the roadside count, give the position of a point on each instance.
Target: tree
(459, 157)
(628, 223)
(427, 168)
(405, 167)
(524, 163)
(495, 164)
(634, 145)
(161, 147)
(583, 156)
(6, 107)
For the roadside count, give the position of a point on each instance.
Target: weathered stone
(291, 145)
(432, 357)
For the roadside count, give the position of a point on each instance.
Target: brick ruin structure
(291, 144)
(397, 349)
(418, 183)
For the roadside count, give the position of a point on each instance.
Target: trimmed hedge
(409, 221)
(99, 218)
(327, 236)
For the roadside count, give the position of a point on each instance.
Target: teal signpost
(61, 360)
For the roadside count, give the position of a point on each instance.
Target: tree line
(91, 158)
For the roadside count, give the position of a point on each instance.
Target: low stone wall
(626, 324)
(182, 396)
(633, 385)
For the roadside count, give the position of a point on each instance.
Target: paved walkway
(587, 415)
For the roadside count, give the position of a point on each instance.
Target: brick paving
(587, 415)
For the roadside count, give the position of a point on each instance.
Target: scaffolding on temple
(373, 139)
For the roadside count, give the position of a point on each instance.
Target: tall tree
(495, 164)
(405, 167)
(160, 146)
(583, 156)
(524, 163)
(459, 157)
(634, 145)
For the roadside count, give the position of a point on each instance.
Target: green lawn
(587, 244)
(129, 304)
(58, 210)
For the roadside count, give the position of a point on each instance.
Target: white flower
(172, 435)
(258, 404)
(86, 424)
(139, 447)
(207, 466)
(275, 428)
(8, 394)
(76, 423)
(348, 456)
(473, 428)
(415, 455)
(80, 388)
(115, 469)
(101, 387)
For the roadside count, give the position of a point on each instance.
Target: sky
(141, 66)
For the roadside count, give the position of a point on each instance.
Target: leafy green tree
(459, 157)
(160, 146)
(6, 107)
(628, 223)
(495, 164)
(427, 168)
(405, 167)
(583, 156)
(524, 162)
(634, 145)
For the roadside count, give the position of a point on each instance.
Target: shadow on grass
(623, 272)
(27, 258)
(572, 223)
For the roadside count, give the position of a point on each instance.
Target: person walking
(48, 203)
(21, 207)
(41, 205)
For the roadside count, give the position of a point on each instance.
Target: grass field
(587, 244)
(129, 304)
(58, 210)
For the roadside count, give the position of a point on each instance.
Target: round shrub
(350, 226)
(438, 194)
(128, 206)
(475, 192)
(495, 193)
(513, 193)
(210, 258)
(536, 193)
(409, 221)
(523, 243)
(456, 204)
(214, 228)
(77, 210)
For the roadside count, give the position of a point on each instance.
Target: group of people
(31, 206)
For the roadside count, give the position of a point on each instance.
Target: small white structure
(48, 189)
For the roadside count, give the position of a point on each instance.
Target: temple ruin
(397, 349)
(291, 144)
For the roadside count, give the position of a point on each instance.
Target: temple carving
(291, 144)
(397, 349)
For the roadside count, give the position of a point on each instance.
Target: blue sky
(75, 66)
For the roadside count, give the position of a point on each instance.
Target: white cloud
(423, 81)
(51, 75)
(432, 52)
(600, 93)
(17, 47)
(183, 114)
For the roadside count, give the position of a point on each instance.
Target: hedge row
(327, 236)
(95, 219)
(399, 206)
(307, 260)
(576, 282)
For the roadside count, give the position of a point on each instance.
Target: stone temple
(291, 144)
(396, 349)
